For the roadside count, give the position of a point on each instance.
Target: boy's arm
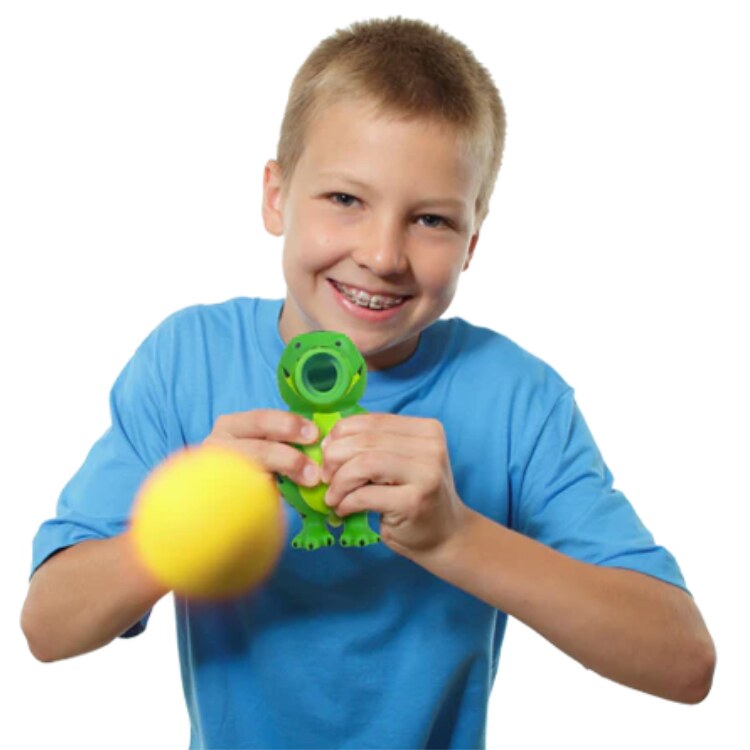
(84, 597)
(625, 625)
(86, 587)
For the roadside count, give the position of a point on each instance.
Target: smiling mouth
(373, 301)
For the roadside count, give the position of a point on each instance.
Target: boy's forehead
(357, 115)
(361, 141)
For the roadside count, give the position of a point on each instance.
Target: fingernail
(309, 431)
(325, 441)
(311, 474)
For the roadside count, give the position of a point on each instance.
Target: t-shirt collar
(381, 384)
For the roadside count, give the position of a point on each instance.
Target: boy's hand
(264, 434)
(399, 467)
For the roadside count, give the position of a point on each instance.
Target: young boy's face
(380, 205)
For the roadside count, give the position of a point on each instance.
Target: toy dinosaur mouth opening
(322, 378)
(320, 372)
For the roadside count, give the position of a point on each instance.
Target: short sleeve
(96, 502)
(567, 501)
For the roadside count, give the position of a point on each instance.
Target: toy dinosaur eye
(338, 343)
(298, 345)
(286, 372)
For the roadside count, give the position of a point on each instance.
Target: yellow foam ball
(208, 522)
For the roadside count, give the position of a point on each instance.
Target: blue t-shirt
(355, 647)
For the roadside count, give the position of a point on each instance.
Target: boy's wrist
(444, 557)
(138, 575)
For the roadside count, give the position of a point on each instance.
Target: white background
(132, 142)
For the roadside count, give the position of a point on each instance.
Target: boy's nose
(383, 251)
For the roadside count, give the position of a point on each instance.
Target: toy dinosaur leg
(357, 531)
(314, 532)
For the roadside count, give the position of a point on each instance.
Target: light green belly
(315, 496)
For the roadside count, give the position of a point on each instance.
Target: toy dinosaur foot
(357, 532)
(314, 535)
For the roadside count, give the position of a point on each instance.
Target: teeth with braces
(363, 299)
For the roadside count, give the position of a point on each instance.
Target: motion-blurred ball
(208, 523)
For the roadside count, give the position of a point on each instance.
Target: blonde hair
(406, 67)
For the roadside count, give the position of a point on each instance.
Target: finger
(397, 424)
(269, 424)
(341, 450)
(277, 458)
(377, 467)
(375, 499)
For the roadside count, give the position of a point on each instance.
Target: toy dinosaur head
(321, 371)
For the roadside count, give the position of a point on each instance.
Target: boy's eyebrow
(344, 176)
(449, 202)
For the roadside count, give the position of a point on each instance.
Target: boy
(492, 496)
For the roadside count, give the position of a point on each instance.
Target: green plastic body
(322, 375)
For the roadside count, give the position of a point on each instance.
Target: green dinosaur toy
(321, 375)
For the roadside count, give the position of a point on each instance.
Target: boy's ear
(273, 204)
(472, 245)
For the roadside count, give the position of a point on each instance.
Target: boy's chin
(389, 354)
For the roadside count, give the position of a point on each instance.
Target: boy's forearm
(84, 597)
(625, 625)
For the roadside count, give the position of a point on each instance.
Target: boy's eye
(433, 221)
(343, 199)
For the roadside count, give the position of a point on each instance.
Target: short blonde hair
(405, 67)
